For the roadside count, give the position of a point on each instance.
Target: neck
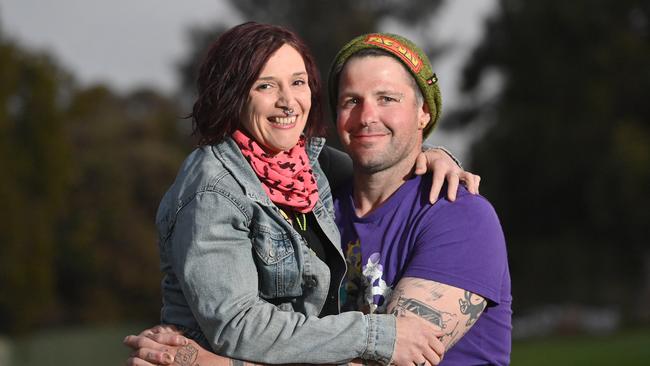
(372, 189)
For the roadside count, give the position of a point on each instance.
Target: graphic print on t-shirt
(365, 288)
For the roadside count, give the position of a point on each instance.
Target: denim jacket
(240, 280)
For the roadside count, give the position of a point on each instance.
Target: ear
(424, 116)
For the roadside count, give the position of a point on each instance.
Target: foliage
(82, 172)
(127, 151)
(35, 176)
(565, 153)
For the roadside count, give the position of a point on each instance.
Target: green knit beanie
(416, 62)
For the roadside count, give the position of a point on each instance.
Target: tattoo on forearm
(419, 283)
(455, 323)
(446, 321)
(186, 356)
(472, 307)
(435, 295)
(422, 310)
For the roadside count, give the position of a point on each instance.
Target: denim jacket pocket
(277, 267)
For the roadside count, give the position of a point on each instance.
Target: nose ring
(288, 111)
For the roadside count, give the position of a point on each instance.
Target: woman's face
(282, 84)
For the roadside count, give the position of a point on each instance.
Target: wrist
(426, 147)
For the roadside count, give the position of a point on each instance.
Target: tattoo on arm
(470, 306)
(422, 310)
(453, 310)
(444, 320)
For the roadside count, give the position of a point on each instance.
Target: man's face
(379, 120)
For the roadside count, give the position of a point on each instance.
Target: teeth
(284, 120)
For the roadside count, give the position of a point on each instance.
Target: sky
(131, 43)
(124, 43)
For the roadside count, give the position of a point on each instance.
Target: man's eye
(387, 99)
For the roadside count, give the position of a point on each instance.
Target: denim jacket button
(271, 254)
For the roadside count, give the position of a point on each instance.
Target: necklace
(303, 224)
(301, 219)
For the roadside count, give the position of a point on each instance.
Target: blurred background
(546, 100)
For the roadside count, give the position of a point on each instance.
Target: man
(443, 262)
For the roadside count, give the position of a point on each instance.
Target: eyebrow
(387, 92)
(299, 73)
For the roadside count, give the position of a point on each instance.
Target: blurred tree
(34, 180)
(82, 173)
(566, 152)
(324, 25)
(127, 149)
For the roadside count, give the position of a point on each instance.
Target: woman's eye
(299, 82)
(263, 86)
(350, 102)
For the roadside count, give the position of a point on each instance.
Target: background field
(102, 347)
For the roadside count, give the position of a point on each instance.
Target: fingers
(138, 341)
(432, 357)
(166, 328)
(471, 181)
(169, 339)
(152, 356)
(159, 341)
(452, 185)
(160, 329)
(417, 342)
(434, 354)
(438, 349)
(436, 185)
(421, 164)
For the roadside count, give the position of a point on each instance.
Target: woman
(249, 249)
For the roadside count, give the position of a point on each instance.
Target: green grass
(630, 348)
(97, 346)
(102, 346)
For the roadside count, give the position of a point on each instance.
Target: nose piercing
(288, 111)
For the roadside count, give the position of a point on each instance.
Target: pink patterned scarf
(286, 177)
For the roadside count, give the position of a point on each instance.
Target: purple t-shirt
(459, 244)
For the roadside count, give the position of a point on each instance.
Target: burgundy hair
(227, 73)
